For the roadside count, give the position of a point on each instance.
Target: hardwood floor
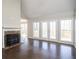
(34, 49)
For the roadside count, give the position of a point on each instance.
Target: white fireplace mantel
(3, 33)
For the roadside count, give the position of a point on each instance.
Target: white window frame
(38, 30)
(67, 42)
(55, 31)
(58, 30)
(47, 29)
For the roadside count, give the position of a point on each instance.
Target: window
(36, 29)
(44, 30)
(24, 24)
(24, 29)
(66, 30)
(53, 30)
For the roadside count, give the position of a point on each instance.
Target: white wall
(10, 16)
(60, 16)
(30, 30)
(46, 10)
(11, 13)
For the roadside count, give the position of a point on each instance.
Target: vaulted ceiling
(36, 8)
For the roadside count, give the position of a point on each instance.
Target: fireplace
(11, 38)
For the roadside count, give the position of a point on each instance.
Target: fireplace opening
(12, 38)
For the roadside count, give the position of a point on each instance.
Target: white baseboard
(52, 40)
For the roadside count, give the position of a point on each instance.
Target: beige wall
(11, 13)
(10, 16)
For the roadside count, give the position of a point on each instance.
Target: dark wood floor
(34, 49)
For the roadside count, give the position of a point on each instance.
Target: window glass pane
(66, 30)
(36, 29)
(44, 30)
(24, 29)
(53, 30)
